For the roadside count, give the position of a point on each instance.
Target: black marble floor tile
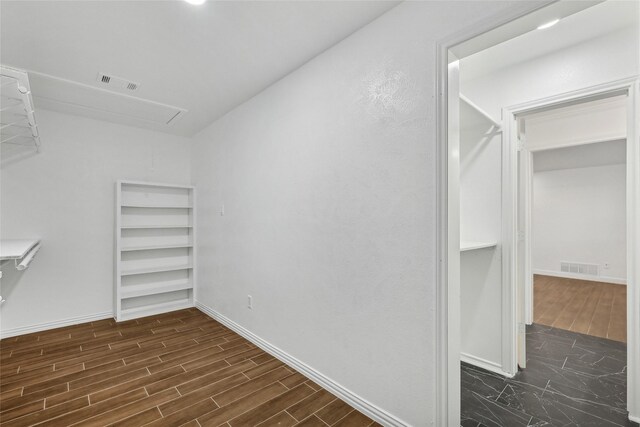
(570, 380)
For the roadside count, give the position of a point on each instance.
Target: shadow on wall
(12, 153)
(10, 278)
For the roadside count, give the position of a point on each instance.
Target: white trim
(509, 245)
(634, 419)
(484, 364)
(633, 249)
(577, 142)
(57, 324)
(527, 159)
(154, 184)
(604, 279)
(362, 405)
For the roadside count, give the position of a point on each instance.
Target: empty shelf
(157, 269)
(133, 291)
(152, 247)
(470, 246)
(156, 226)
(151, 206)
(16, 248)
(149, 310)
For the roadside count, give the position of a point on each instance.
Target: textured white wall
(329, 187)
(480, 221)
(65, 195)
(601, 60)
(579, 215)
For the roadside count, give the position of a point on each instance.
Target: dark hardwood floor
(586, 307)
(176, 369)
(571, 379)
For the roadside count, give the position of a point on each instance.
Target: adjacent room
(319, 213)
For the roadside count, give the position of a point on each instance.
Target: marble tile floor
(571, 379)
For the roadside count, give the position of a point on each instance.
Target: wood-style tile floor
(592, 308)
(176, 369)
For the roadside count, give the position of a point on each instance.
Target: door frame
(631, 87)
(447, 346)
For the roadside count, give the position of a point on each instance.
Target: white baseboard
(604, 279)
(484, 364)
(634, 419)
(362, 405)
(57, 324)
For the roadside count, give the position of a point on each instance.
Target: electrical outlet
(249, 302)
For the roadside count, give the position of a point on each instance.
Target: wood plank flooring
(176, 369)
(593, 308)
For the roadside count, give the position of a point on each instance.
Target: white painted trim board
(496, 368)
(369, 409)
(57, 324)
(604, 279)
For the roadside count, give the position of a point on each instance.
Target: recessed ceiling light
(543, 26)
(195, 2)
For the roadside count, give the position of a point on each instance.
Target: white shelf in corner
(159, 269)
(155, 226)
(155, 247)
(154, 272)
(471, 246)
(16, 248)
(151, 206)
(133, 291)
(151, 309)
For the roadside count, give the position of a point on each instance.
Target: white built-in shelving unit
(155, 248)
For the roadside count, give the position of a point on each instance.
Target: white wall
(611, 57)
(329, 187)
(65, 196)
(480, 221)
(579, 215)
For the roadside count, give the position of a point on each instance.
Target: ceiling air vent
(117, 82)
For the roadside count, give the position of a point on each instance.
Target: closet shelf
(158, 269)
(150, 310)
(155, 247)
(133, 291)
(470, 246)
(155, 226)
(16, 248)
(154, 206)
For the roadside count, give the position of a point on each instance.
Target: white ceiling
(593, 22)
(205, 59)
(581, 156)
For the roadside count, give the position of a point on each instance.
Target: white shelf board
(155, 226)
(150, 310)
(16, 248)
(133, 291)
(150, 206)
(155, 184)
(158, 269)
(154, 247)
(470, 246)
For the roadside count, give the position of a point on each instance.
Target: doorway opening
(511, 105)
